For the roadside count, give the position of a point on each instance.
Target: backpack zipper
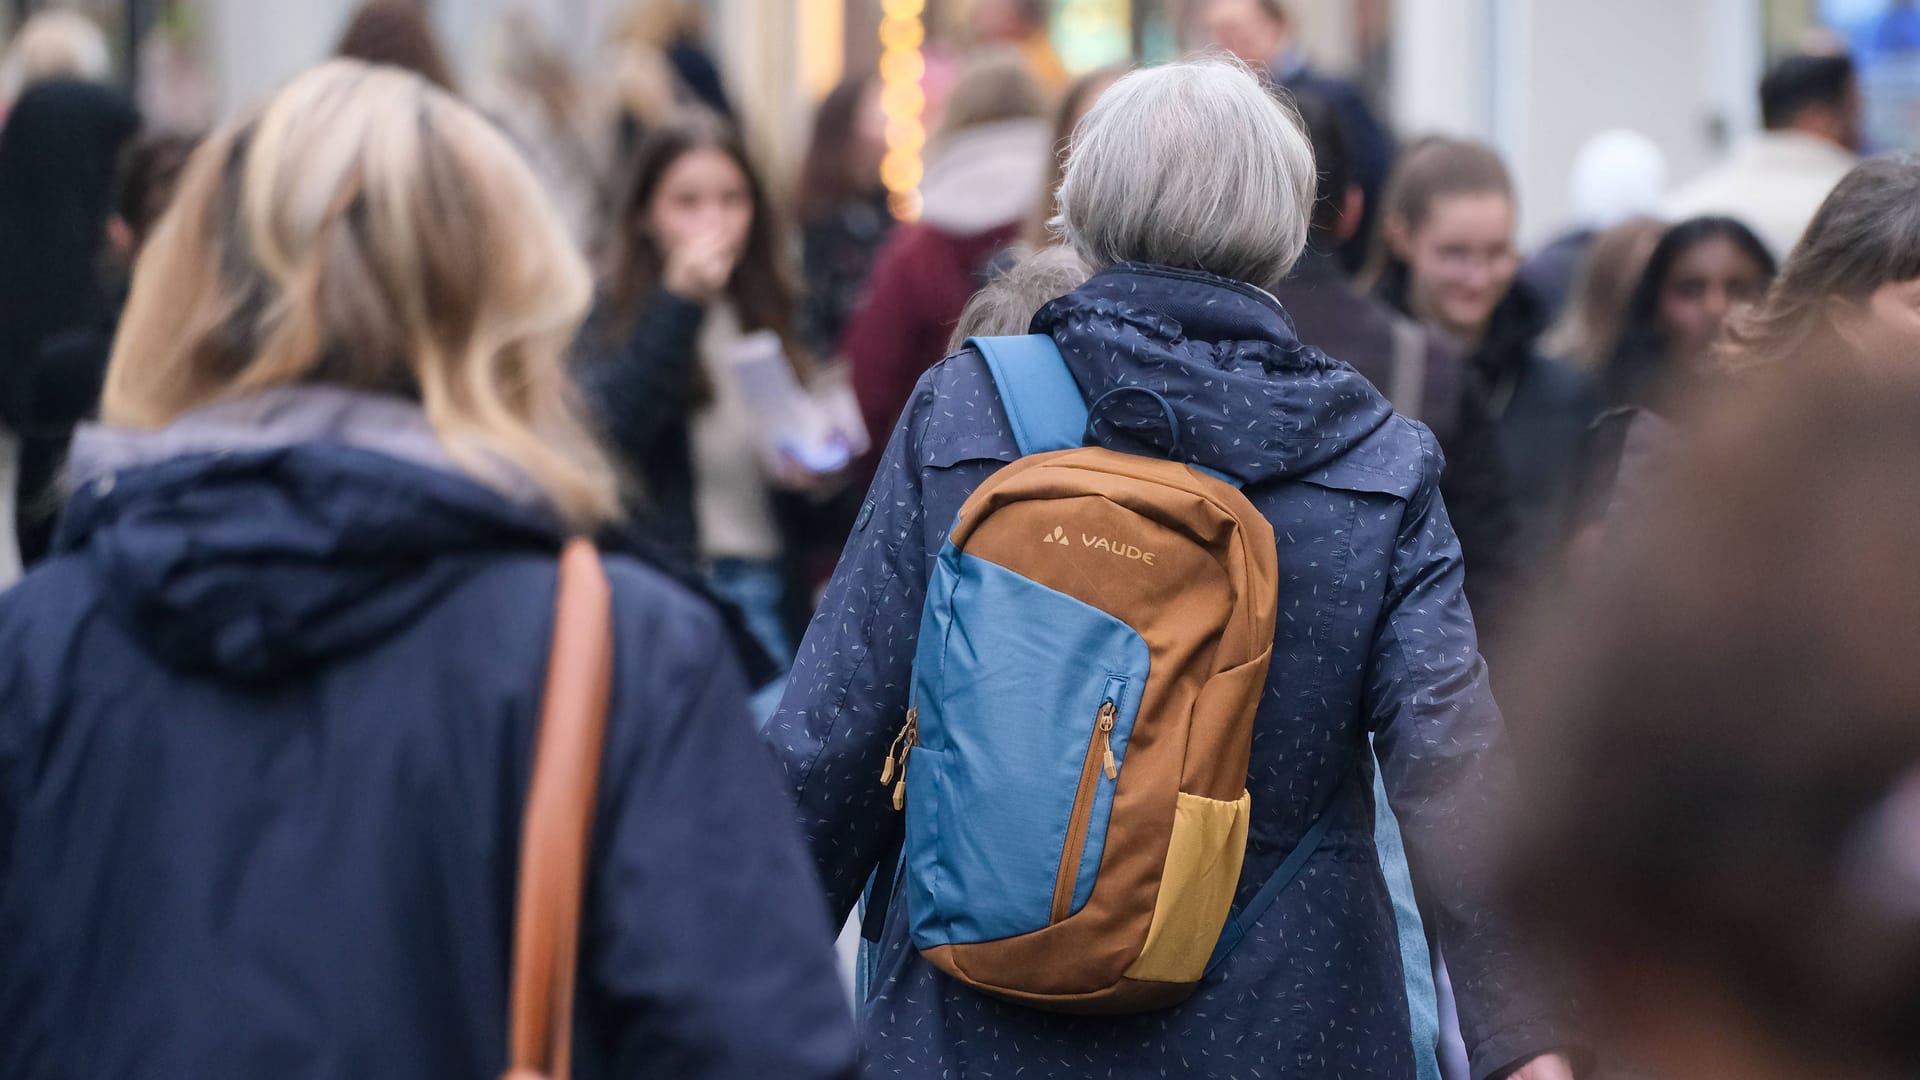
(903, 745)
(1099, 760)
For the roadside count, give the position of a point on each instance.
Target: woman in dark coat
(1376, 637)
(270, 707)
(58, 153)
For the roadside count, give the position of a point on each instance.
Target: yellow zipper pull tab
(1105, 726)
(894, 751)
(909, 737)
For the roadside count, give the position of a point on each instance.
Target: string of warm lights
(902, 33)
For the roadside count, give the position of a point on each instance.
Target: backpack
(1073, 766)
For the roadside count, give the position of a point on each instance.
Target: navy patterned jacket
(1373, 636)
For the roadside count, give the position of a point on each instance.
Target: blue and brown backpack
(1073, 767)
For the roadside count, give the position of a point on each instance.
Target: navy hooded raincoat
(267, 725)
(1373, 636)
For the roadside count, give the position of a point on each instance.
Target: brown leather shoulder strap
(559, 818)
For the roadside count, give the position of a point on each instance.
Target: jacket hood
(252, 538)
(1252, 401)
(985, 177)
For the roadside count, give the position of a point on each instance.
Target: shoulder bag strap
(559, 818)
(1409, 390)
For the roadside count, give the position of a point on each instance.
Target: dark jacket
(268, 725)
(838, 248)
(920, 284)
(1539, 409)
(58, 154)
(1374, 637)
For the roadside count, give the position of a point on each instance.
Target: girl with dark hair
(843, 207)
(695, 269)
(1701, 271)
(396, 33)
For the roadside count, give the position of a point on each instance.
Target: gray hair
(1195, 165)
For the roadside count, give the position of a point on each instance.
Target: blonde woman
(270, 707)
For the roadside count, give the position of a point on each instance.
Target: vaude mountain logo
(1101, 544)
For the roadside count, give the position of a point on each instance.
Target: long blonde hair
(365, 229)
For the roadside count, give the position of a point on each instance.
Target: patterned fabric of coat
(1373, 636)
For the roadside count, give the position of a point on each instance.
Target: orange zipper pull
(1105, 727)
(894, 751)
(909, 737)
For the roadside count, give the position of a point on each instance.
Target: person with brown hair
(1589, 327)
(1446, 256)
(1721, 797)
(844, 218)
(271, 708)
(396, 33)
(696, 276)
(984, 169)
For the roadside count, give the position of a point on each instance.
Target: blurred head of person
(54, 44)
(1852, 282)
(1192, 165)
(1009, 21)
(993, 86)
(849, 141)
(694, 218)
(1338, 200)
(1590, 328)
(396, 33)
(150, 173)
(365, 230)
(1005, 306)
(1616, 175)
(987, 159)
(1447, 234)
(1720, 823)
(1816, 95)
(1256, 31)
(524, 59)
(660, 23)
(1702, 271)
(1072, 107)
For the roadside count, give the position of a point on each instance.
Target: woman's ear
(1399, 236)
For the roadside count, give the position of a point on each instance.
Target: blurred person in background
(1020, 24)
(695, 268)
(271, 710)
(1702, 271)
(984, 168)
(1589, 325)
(531, 90)
(54, 44)
(1005, 306)
(1418, 367)
(1811, 108)
(1849, 295)
(59, 152)
(1177, 305)
(677, 30)
(1263, 35)
(1721, 821)
(1446, 257)
(396, 33)
(1074, 102)
(1617, 175)
(842, 207)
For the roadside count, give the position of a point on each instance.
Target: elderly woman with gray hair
(1188, 192)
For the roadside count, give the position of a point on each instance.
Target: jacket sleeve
(641, 388)
(1439, 738)
(710, 951)
(848, 694)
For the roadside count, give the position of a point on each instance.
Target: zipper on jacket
(896, 765)
(1099, 760)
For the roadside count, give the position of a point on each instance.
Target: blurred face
(1887, 325)
(869, 133)
(1707, 283)
(999, 20)
(1243, 29)
(1461, 260)
(702, 195)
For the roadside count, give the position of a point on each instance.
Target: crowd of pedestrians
(296, 414)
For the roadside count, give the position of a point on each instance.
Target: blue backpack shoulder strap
(1043, 402)
(1241, 921)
